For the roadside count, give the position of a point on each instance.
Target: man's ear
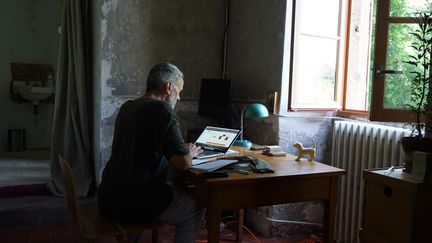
(168, 88)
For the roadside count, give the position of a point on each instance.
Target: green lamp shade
(256, 110)
(243, 143)
(251, 111)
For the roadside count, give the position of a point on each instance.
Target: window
(394, 22)
(318, 54)
(357, 69)
(334, 56)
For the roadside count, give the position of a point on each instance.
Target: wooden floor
(67, 233)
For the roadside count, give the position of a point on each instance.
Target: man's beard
(172, 98)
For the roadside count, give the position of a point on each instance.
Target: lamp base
(243, 143)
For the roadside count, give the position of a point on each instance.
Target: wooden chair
(92, 225)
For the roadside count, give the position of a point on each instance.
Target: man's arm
(182, 162)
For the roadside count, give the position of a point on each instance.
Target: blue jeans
(185, 214)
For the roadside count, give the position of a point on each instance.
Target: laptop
(216, 141)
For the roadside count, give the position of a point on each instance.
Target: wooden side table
(397, 208)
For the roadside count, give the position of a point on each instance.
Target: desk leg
(213, 223)
(239, 229)
(330, 210)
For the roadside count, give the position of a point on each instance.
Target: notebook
(216, 141)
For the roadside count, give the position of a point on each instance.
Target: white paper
(200, 161)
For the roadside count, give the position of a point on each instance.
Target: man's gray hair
(161, 74)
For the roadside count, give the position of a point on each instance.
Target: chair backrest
(70, 191)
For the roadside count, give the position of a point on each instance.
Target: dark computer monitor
(215, 99)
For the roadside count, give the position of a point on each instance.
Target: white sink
(35, 94)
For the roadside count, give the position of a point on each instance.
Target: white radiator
(357, 146)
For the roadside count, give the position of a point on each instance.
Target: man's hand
(182, 162)
(194, 150)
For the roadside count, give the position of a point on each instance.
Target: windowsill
(307, 114)
(327, 113)
(347, 116)
(364, 115)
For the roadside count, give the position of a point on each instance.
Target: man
(147, 140)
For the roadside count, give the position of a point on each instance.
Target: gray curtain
(71, 122)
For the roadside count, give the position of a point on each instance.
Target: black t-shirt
(133, 183)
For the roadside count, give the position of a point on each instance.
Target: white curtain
(70, 131)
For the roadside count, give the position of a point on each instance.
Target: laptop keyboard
(207, 153)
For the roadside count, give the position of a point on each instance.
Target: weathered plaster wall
(137, 34)
(255, 50)
(29, 35)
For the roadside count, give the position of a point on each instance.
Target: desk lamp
(251, 111)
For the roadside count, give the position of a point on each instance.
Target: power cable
(225, 39)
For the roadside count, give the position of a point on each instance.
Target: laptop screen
(217, 138)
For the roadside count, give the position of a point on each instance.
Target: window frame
(344, 112)
(377, 111)
(341, 60)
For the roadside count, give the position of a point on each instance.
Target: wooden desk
(292, 182)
